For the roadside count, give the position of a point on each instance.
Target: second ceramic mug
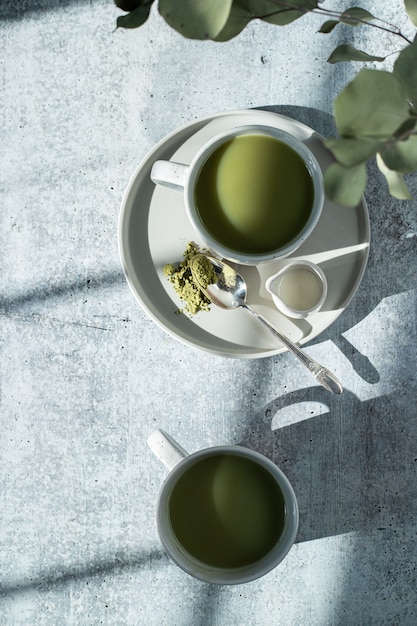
(226, 514)
(253, 193)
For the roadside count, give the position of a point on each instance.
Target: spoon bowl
(229, 291)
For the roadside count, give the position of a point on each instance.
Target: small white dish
(298, 289)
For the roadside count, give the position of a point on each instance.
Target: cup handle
(166, 449)
(169, 174)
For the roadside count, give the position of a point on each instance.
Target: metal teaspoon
(230, 291)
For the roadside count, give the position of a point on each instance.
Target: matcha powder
(181, 278)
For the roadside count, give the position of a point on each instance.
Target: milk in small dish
(298, 289)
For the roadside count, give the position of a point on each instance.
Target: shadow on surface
(387, 272)
(206, 608)
(203, 609)
(320, 121)
(34, 296)
(353, 467)
(57, 577)
(15, 10)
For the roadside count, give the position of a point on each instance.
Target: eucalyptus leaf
(402, 155)
(239, 17)
(196, 19)
(352, 17)
(349, 53)
(406, 129)
(233, 27)
(128, 5)
(353, 151)
(405, 68)
(396, 183)
(243, 11)
(411, 7)
(373, 105)
(135, 18)
(355, 16)
(345, 185)
(328, 26)
(283, 13)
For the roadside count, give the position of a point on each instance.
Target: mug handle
(166, 449)
(169, 174)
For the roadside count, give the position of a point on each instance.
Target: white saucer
(154, 230)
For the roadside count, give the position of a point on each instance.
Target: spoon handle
(323, 376)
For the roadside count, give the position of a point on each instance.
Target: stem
(394, 139)
(388, 28)
(405, 135)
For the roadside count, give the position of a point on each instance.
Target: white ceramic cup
(178, 461)
(183, 178)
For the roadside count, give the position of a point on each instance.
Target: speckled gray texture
(86, 375)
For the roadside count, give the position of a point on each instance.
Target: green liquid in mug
(254, 194)
(227, 511)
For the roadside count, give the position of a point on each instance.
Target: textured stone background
(86, 375)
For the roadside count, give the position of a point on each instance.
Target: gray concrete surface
(86, 375)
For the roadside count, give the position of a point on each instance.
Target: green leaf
(349, 53)
(282, 15)
(352, 15)
(345, 185)
(128, 5)
(395, 180)
(243, 11)
(407, 129)
(328, 26)
(411, 7)
(405, 68)
(352, 151)
(374, 105)
(239, 17)
(233, 27)
(196, 19)
(402, 155)
(135, 18)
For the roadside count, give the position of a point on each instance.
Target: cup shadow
(352, 466)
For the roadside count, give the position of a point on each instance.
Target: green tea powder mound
(181, 278)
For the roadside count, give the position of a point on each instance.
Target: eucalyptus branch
(389, 27)
(375, 114)
(404, 135)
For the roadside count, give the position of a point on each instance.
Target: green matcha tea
(227, 511)
(254, 194)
